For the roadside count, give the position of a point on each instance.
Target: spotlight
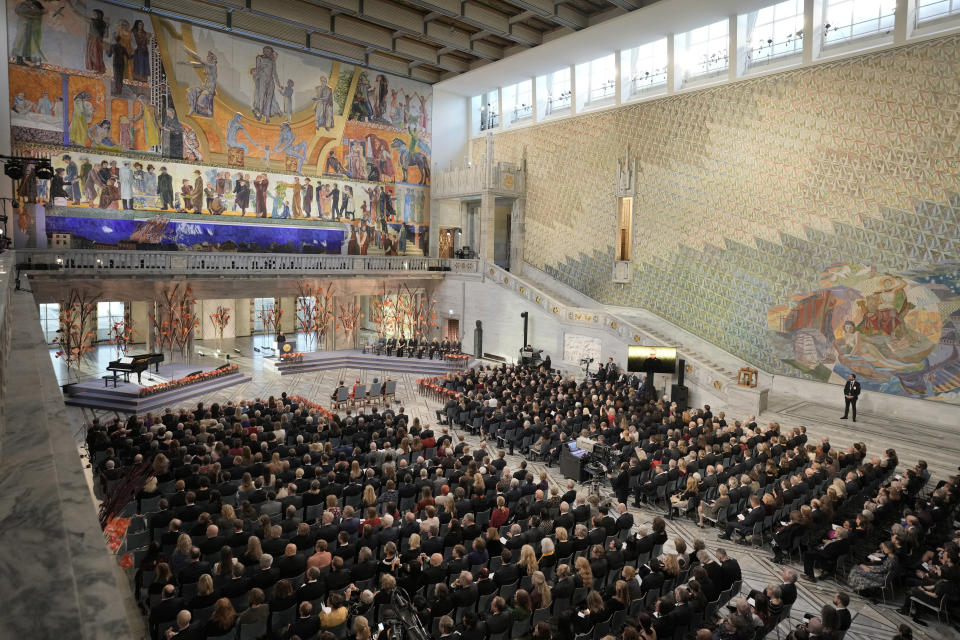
(14, 170)
(15, 203)
(44, 170)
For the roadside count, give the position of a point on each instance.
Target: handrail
(191, 262)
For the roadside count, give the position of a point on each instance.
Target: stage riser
(326, 361)
(436, 371)
(127, 404)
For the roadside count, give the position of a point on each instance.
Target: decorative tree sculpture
(383, 313)
(349, 320)
(323, 312)
(220, 319)
(272, 318)
(424, 315)
(175, 320)
(305, 305)
(74, 339)
(121, 336)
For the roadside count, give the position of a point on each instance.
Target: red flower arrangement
(183, 382)
(115, 531)
(300, 400)
(291, 357)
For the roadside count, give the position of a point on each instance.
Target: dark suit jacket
(193, 571)
(265, 579)
(291, 566)
(507, 574)
(166, 610)
(788, 593)
(731, 573)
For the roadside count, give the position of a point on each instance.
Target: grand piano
(132, 364)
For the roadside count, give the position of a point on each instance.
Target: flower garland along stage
(189, 380)
(313, 406)
(291, 357)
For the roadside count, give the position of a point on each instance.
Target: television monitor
(651, 359)
(572, 445)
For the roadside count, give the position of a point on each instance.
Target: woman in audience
(454, 534)
(162, 579)
(223, 569)
(712, 509)
(332, 507)
(337, 614)
(680, 545)
(205, 596)
(283, 596)
(360, 628)
(645, 626)
(689, 498)
(707, 586)
(565, 583)
(869, 577)
(479, 555)
(222, 619)
(580, 540)
(369, 498)
(501, 514)
(521, 608)
(528, 560)
(251, 557)
(390, 563)
(181, 554)
(597, 608)
(492, 540)
(485, 585)
(621, 597)
(540, 597)
(584, 577)
(426, 499)
(258, 611)
(413, 549)
(563, 547)
(548, 556)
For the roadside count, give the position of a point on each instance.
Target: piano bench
(107, 379)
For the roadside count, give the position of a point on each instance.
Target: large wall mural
(804, 221)
(242, 128)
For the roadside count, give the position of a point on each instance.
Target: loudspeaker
(681, 369)
(679, 394)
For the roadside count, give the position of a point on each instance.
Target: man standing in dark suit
(165, 189)
(851, 391)
(730, 570)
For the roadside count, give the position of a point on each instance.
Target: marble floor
(912, 441)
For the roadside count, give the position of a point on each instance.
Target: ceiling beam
(629, 5)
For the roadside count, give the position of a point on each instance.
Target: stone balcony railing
(502, 178)
(94, 262)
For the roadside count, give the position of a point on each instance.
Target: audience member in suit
(196, 568)
(306, 625)
(313, 588)
(168, 607)
(743, 525)
(292, 564)
(267, 576)
(730, 570)
(826, 554)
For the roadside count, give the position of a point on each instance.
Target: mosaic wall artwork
(161, 232)
(805, 221)
(90, 78)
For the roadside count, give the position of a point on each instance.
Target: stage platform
(125, 398)
(356, 359)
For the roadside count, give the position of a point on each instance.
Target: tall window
(930, 10)
(107, 314)
(704, 51)
(518, 101)
(555, 91)
(644, 68)
(851, 19)
(597, 80)
(624, 227)
(259, 306)
(485, 109)
(50, 321)
(774, 32)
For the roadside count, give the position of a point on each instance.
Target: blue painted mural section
(185, 235)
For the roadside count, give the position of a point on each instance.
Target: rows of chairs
(365, 395)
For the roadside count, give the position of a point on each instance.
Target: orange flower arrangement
(183, 382)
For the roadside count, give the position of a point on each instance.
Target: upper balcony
(470, 181)
(116, 263)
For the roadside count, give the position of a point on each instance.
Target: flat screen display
(651, 359)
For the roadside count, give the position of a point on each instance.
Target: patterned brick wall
(775, 213)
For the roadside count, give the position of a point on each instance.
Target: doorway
(452, 332)
(501, 235)
(446, 246)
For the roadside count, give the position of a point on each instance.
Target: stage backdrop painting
(82, 76)
(897, 334)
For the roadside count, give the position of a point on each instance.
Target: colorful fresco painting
(389, 218)
(92, 78)
(897, 334)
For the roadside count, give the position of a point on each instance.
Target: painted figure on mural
(424, 124)
(378, 96)
(145, 115)
(110, 195)
(126, 132)
(335, 201)
(266, 82)
(96, 40)
(44, 105)
(307, 197)
(141, 52)
(241, 190)
(191, 145)
(150, 181)
(21, 105)
(70, 179)
(201, 98)
(28, 46)
(126, 185)
(333, 166)
(172, 137)
(295, 198)
(138, 177)
(361, 109)
(126, 39)
(100, 135)
(80, 119)
(260, 185)
(279, 193)
(118, 51)
(196, 194)
(165, 189)
(356, 162)
(323, 106)
(234, 129)
(347, 207)
(287, 93)
(86, 168)
(288, 144)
